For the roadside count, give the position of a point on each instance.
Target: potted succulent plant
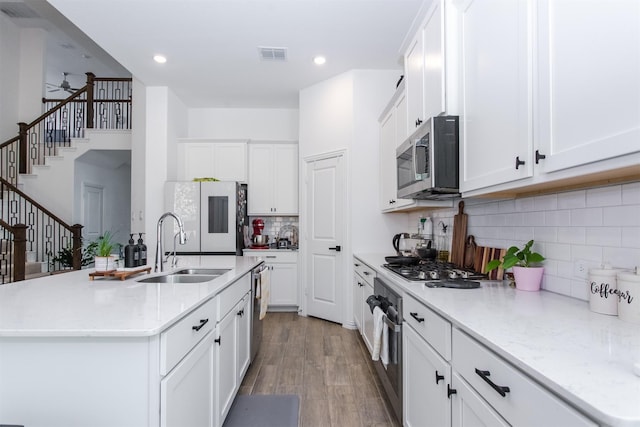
(524, 263)
(104, 261)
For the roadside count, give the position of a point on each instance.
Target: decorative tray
(119, 274)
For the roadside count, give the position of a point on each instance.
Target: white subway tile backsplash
(621, 257)
(497, 220)
(564, 269)
(586, 217)
(524, 205)
(523, 234)
(631, 193)
(604, 196)
(604, 236)
(556, 284)
(630, 237)
(507, 206)
(557, 218)
(589, 253)
(558, 251)
(545, 234)
(572, 200)
(580, 289)
(533, 218)
(546, 203)
(514, 219)
(573, 235)
(628, 215)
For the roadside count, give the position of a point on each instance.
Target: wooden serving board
(459, 236)
(482, 257)
(118, 274)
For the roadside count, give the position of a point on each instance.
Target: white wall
(269, 124)
(597, 225)
(138, 153)
(9, 78)
(32, 70)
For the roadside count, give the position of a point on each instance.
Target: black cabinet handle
(539, 156)
(519, 162)
(439, 377)
(202, 323)
(357, 265)
(366, 273)
(218, 340)
(451, 391)
(415, 316)
(360, 284)
(502, 390)
(240, 313)
(336, 248)
(418, 122)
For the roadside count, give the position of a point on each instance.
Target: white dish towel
(265, 290)
(380, 337)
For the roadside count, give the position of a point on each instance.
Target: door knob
(336, 248)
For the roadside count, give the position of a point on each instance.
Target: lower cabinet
(284, 280)
(187, 392)
(469, 409)
(426, 402)
(363, 276)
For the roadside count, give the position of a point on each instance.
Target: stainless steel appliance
(438, 274)
(214, 215)
(390, 302)
(256, 323)
(427, 162)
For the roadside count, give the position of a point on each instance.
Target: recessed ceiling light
(160, 59)
(319, 60)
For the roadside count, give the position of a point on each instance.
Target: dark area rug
(264, 410)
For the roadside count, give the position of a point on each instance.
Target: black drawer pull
(240, 313)
(451, 391)
(202, 323)
(415, 316)
(218, 340)
(502, 390)
(439, 377)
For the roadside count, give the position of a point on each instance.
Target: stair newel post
(76, 229)
(19, 251)
(90, 82)
(23, 147)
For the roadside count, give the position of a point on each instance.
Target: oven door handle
(392, 325)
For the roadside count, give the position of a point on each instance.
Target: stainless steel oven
(427, 162)
(390, 302)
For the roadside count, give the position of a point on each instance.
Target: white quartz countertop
(70, 304)
(584, 357)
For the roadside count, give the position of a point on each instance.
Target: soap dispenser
(142, 250)
(131, 254)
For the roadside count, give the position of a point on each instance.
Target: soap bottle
(142, 250)
(131, 254)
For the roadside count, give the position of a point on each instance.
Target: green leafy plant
(65, 255)
(105, 244)
(517, 257)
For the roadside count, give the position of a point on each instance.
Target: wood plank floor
(326, 365)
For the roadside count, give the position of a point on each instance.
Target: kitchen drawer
(526, 403)
(180, 338)
(282, 256)
(228, 298)
(433, 328)
(366, 272)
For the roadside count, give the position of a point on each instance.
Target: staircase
(97, 116)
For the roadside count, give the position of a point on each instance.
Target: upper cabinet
(224, 160)
(425, 69)
(548, 93)
(273, 179)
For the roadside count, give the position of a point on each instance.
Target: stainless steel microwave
(427, 162)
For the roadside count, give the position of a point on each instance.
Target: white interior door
(325, 275)
(92, 201)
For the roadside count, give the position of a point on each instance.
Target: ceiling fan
(65, 86)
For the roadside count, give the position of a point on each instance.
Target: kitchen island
(586, 361)
(109, 352)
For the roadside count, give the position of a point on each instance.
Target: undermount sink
(208, 271)
(179, 278)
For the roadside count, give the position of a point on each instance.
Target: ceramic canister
(603, 295)
(629, 296)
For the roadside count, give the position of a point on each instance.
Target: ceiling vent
(17, 10)
(273, 53)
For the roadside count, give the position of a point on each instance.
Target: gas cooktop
(438, 274)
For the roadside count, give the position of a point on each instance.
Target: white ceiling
(212, 45)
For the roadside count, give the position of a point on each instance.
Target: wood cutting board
(482, 257)
(459, 236)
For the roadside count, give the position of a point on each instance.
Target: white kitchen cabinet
(243, 324)
(363, 274)
(358, 297)
(283, 294)
(425, 68)
(187, 392)
(224, 160)
(468, 409)
(496, 129)
(273, 179)
(426, 402)
(589, 92)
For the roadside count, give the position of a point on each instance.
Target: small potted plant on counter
(524, 263)
(104, 261)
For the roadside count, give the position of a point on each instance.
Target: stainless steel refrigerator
(214, 214)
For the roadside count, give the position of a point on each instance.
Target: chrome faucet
(159, 250)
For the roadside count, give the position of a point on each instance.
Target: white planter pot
(105, 263)
(528, 278)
